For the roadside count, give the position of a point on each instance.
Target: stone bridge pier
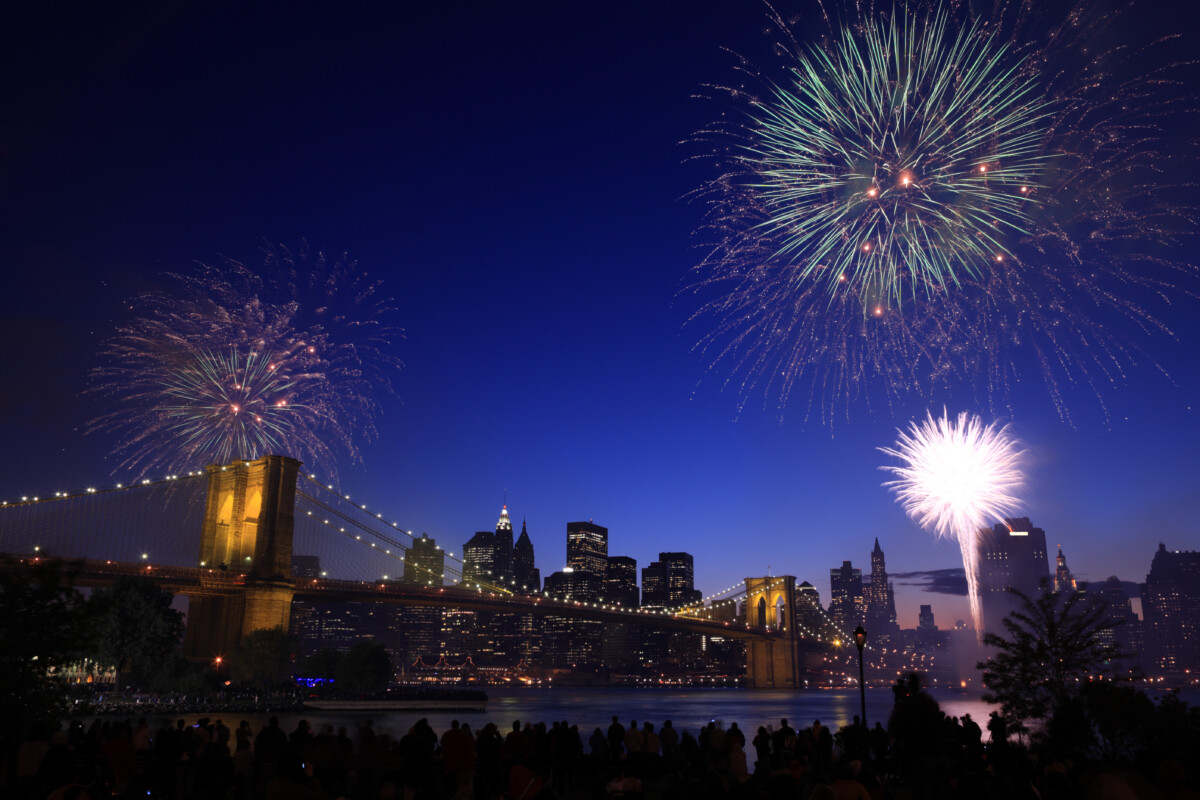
(772, 663)
(248, 524)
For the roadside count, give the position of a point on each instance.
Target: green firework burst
(900, 160)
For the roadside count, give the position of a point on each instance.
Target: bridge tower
(248, 524)
(772, 663)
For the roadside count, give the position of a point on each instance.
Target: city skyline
(516, 180)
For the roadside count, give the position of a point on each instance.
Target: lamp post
(860, 639)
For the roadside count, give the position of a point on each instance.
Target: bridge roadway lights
(774, 663)
(249, 513)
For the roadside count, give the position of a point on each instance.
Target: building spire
(504, 523)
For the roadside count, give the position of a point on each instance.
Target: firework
(899, 160)
(957, 476)
(926, 201)
(236, 363)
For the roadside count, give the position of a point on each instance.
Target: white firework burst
(957, 476)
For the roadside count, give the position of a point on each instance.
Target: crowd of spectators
(213, 759)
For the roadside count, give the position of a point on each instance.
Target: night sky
(517, 174)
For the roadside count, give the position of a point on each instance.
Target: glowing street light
(860, 640)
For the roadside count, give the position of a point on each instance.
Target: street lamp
(860, 639)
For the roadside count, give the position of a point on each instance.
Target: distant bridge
(239, 577)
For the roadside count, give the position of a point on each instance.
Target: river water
(590, 708)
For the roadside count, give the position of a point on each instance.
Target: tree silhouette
(40, 628)
(264, 657)
(134, 628)
(364, 669)
(1051, 648)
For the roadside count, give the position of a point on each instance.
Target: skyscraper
(925, 621)
(502, 559)
(880, 598)
(620, 581)
(421, 626)
(1126, 630)
(622, 641)
(656, 591)
(681, 579)
(587, 549)
(479, 558)
(424, 562)
(526, 574)
(846, 603)
(1171, 612)
(656, 595)
(527, 577)
(491, 638)
(670, 583)
(1012, 556)
(809, 614)
(572, 642)
(1064, 581)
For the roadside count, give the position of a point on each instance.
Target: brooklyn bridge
(225, 537)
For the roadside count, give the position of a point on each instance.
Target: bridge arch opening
(773, 663)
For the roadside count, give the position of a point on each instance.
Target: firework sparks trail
(232, 362)
(958, 475)
(933, 198)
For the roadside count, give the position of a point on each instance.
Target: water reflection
(688, 709)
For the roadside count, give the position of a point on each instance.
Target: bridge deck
(202, 582)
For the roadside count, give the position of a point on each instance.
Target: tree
(264, 657)
(40, 628)
(322, 664)
(134, 628)
(366, 668)
(1051, 648)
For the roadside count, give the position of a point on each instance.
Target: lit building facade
(846, 603)
(421, 626)
(880, 616)
(587, 550)
(1064, 581)
(1012, 557)
(622, 641)
(681, 579)
(1171, 612)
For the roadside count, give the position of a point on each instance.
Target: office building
(620, 581)
(681, 579)
(587, 550)
(1171, 612)
(880, 616)
(1012, 557)
(502, 557)
(925, 621)
(527, 579)
(1064, 581)
(421, 626)
(656, 592)
(569, 642)
(846, 603)
(1126, 629)
(424, 562)
(622, 641)
(525, 573)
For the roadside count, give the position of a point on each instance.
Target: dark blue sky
(517, 175)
